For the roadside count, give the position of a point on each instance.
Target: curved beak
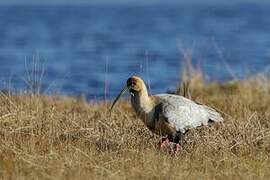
(119, 95)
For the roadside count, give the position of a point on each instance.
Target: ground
(54, 137)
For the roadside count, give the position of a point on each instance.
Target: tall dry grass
(56, 137)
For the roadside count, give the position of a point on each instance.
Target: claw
(171, 147)
(175, 149)
(164, 142)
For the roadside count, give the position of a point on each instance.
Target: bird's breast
(145, 112)
(152, 118)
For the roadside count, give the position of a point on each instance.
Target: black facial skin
(132, 91)
(131, 82)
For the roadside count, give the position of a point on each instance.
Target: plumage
(185, 114)
(167, 114)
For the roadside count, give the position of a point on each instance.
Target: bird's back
(184, 113)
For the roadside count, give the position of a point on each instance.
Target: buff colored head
(135, 85)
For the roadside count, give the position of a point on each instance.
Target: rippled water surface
(85, 48)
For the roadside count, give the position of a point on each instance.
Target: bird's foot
(168, 146)
(175, 149)
(164, 142)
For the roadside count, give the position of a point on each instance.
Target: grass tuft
(66, 138)
(54, 137)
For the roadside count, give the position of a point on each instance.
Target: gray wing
(185, 114)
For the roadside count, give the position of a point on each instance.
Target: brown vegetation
(66, 138)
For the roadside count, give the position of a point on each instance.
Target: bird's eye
(133, 83)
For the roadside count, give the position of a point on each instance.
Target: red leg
(175, 149)
(164, 141)
(171, 147)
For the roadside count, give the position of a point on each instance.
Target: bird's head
(135, 85)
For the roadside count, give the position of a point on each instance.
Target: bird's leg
(171, 143)
(164, 141)
(175, 147)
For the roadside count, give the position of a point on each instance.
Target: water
(89, 47)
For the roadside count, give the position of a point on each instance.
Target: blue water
(85, 48)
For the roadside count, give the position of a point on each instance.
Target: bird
(168, 115)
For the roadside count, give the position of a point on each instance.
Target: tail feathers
(213, 114)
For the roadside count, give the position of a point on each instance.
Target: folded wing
(184, 114)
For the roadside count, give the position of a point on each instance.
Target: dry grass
(66, 138)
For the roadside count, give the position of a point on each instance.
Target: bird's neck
(141, 102)
(144, 107)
